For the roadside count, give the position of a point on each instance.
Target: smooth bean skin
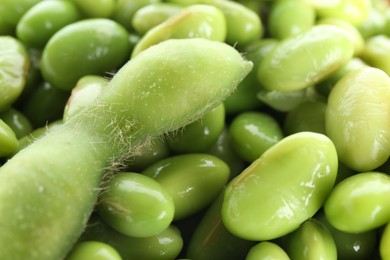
(45, 104)
(357, 121)
(252, 133)
(359, 203)
(17, 121)
(211, 240)
(14, 64)
(93, 250)
(41, 21)
(375, 24)
(244, 98)
(165, 245)
(385, 242)
(198, 136)
(244, 26)
(351, 31)
(125, 10)
(307, 116)
(96, 8)
(319, 52)
(312, 240)
(10, 13)
(8, 140)
(267, 251)
(377, 52)
(353, 11)
(351, 245)
(94, 46)
(284, 187)
(193, 180)
(136, 205)
(195, 21)
(87, 89)
(288, 18)
(152, 15)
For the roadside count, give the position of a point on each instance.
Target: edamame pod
(14, 64)
(319, 52)
(283, 188)
(41, 21)
(195, 21)
(359, 203)
(312, 240)
(87, 89)
(47, 193)
(193, 180)
(357, 121)
(94, 46)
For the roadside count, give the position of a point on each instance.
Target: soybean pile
(194, 129)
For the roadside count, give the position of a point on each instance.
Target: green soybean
(136, 205)
(211, 240)
(152, 15)
(359, 203)
(48, 190)
(17, 121)
(283, 188)
(14, 64)
(165, 246)
(193, 180)
(319, 52)
(376, 52)
(266, 250)
(290, 17)
(252, 133)
(96, 8)
(195, 21)
(93, 250)
(312, 240)
(94, 46)
(351, 245)
(357, 121)
(41, 21)
(198, 136)
(307, 116)
(385, 242)
(8, 140)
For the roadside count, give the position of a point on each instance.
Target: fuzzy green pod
(94, 46)
(357, 121)
(319, 52)
(47, 194)
(44, 19)
(14, 64)
(195, 21)
(283, 188)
